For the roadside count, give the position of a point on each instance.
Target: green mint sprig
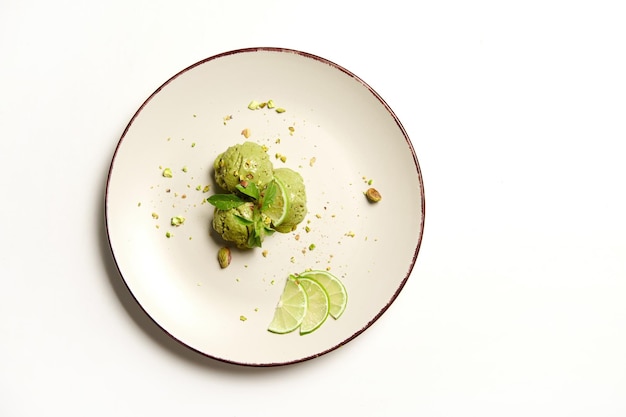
(257, 228)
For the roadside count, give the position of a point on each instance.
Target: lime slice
(291, 309)
(317, 307)
(277, 211)
(335, 289)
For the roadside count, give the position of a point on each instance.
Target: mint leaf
(225, 201)
(243, 220)
(269, 196)
(251, 190)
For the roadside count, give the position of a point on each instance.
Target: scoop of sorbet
(243, 162)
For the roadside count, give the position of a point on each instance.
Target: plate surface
(342, 136)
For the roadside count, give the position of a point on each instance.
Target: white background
(516, 305)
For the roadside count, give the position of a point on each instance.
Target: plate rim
(387, 108)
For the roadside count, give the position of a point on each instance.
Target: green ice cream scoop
(293, 185)
(243, 162)
(230, 224)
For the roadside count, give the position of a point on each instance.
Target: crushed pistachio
(246, 133)
(264, 253)
(253, 105)
(139, 204)
(291, 130)
(185, 169)
(168, 235)
(243, 318)
(198, 187)
(167, 173)
(312, 246)
(307, 229)
(270, 104)
(177, 220)
(206, 188)
(350, 234)
(193, 144)
(227, 118)
(155, 216)
(312, 161)
(277, 140)
(280, 110)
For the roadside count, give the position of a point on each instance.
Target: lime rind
(335, 289)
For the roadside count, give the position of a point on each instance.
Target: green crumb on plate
(243, 318)
(167, 173)
(177, 220)
(280, 110)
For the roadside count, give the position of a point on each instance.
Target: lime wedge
(277, 211)
(318, 305)
(335, 289)
(291, 309)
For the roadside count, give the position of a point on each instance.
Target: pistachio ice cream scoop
(231, 227)
(243, 162)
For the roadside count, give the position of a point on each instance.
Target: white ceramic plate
(344, 135)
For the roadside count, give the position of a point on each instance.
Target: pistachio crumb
(155, 216)
(270, 104)
(177, 220)
(206, 188)
(312, 161)
(167, 173)
(264, 253)
(307, 229)
(280, 110)
(185, 169)
(168, 235)
(243, 318)
(139, 204)
(292, 260)
(193, 144)
(312, 246)
(253, 105)
(246, 133)
(227, 118)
